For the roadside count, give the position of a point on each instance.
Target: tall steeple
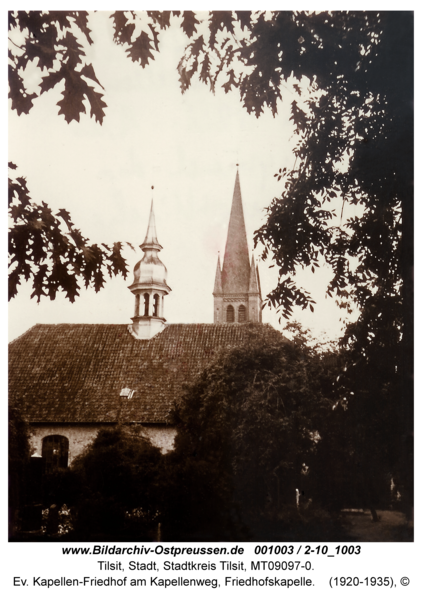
(237, 293)
(149, 286)
(235, 275)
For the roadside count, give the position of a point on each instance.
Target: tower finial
(151, 240)
(149, 286)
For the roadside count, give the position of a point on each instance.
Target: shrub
(117, 473)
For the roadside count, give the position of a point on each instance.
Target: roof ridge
(194, 324)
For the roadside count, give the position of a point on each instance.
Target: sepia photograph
(210, 277)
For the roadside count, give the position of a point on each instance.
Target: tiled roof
(75, 373)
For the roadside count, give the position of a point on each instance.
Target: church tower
(149, 287)
(237, 290)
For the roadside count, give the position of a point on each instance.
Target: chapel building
(71, 380)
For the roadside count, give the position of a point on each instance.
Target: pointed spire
(151, 240)
(253, 279)
(258, 281)
(149, 287)
(218, 288)
(235, 274)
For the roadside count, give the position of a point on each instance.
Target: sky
(187, 147)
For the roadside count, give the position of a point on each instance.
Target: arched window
(137, 302)
(230, 314)
(146, 304)
(55, 452)
(242, 314)
(156, 302)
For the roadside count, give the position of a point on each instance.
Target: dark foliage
(53, 42)
(19, 445)
(116, 475)
(352, 467)
(59, 488)
(49, 40)
(19, 456)
(353, 118)
(44, 247)
(362, 446)
(245, 430)
(48, 249)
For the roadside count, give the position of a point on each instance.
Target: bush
(245, 428)
(118, 472)
(19, 456)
